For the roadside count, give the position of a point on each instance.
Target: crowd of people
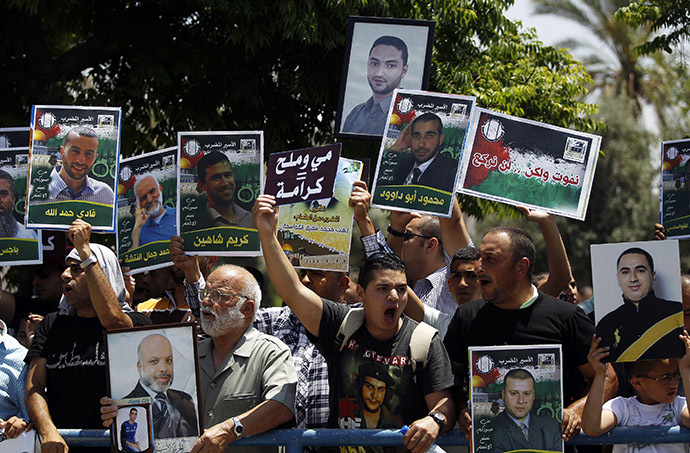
(345, 351)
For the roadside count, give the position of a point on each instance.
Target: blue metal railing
(296, 439)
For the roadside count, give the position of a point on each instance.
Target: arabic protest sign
(675, 188)
(420, 151)
(219, 180)
(146, 209)
(637, 303)
(508, 384)
(18, 245)
(317, 234)
(14, 137)
(303, 174)
(523, 162)
(73, 166)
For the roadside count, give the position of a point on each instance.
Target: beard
(150, 381)
(225, 320)
(155, 206)
(8, 226)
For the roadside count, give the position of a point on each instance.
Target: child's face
(651, 390)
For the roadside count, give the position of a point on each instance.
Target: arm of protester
(559, 266)
(360, 200)
(189, 265)
(399, 221)
(31, 323)
(659, 232)
(572, 415)
(595, 420)
(423, 432)
(38, 407)
(404, 140)
(259, 419)
(305, 303)
(684, 367)
(453, 230)
(415, 307)
(101, 291)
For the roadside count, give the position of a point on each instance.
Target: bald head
(155, 362)
(229, 306)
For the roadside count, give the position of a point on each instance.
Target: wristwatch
(238, 427)
(88, 261)
(439, 418)
(395, 232)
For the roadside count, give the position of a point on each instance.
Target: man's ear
(360, 291)
(344, 284)
(635, 382)
(432, 245)
(522, 266)
(248, 307)
(653, 277)
(404, 71)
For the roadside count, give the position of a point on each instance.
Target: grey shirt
(368, 117)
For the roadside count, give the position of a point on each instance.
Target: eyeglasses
(666, 378)
(216, 296)
(407, 235)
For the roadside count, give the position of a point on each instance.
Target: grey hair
(250, 289)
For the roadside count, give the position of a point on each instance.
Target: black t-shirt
(547, 321)
(76, 374)
(388, 363)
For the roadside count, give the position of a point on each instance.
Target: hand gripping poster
(147, 210)
(675, 188)
(220, 177)
(73, 166)
(523, 162)
(420, 152)
(317, 234)
(517, 398)
(18, 245)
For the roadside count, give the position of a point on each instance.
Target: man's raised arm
(304, 302)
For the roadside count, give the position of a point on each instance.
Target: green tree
(669, 16)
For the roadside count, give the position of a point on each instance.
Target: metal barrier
(295, 439)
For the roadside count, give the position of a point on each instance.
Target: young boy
(657, 402)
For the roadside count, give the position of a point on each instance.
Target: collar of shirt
(56, 179)
(157, 220)
(421, 167)
(383, 105)
(518, 422)
(535, 294)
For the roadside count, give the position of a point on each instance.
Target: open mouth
(67, 290)
(389, 314)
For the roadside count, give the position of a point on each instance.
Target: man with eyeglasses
(422, 400)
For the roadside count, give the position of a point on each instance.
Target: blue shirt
(12, 376)
(95, 191)
(159, 229)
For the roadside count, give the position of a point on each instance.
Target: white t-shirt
(630, 412)
(437, 319)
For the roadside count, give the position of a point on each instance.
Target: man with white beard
(174, 412)
(248, 378)
(152, 221)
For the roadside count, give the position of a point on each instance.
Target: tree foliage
(669, 16)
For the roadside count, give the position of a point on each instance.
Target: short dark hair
(209, 160)
(134, 409)
(468, 253)
(391, 41)
(637, 251)
(521, 245)
(640, 367)
(81, 131)
(430, 226)
(426, 117)
(519, 374)
(378, 261)
(7, 177)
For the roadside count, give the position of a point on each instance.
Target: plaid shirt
(311, 400)
(433, 289)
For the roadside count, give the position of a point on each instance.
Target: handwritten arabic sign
(14, 137)
(317, 234)
(219, 180)
(675, 188)
(490, 409)
(523, 162)
(147, 209)
(303, 174)
(73, 166)
(420, 152)
(18, 245)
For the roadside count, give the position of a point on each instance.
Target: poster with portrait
(526, 163)
(160, 363)
(675, 188)
(18, 244)
(73, 166)
(381, 54)
(14, 137)
(317, 234)
(420, 153)
(133, 426)
(516, 398)
(220, 177)
(147, 209)
(637, 302)
(303, 174)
